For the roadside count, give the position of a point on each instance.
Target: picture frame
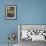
(10, 12)
(37, 29)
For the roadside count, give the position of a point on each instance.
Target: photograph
(10, 12)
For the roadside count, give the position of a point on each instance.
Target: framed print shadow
(10, 12)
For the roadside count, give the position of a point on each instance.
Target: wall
(28, 12)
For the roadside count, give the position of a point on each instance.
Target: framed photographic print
(10, 11)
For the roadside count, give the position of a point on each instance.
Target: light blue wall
(28, 12)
